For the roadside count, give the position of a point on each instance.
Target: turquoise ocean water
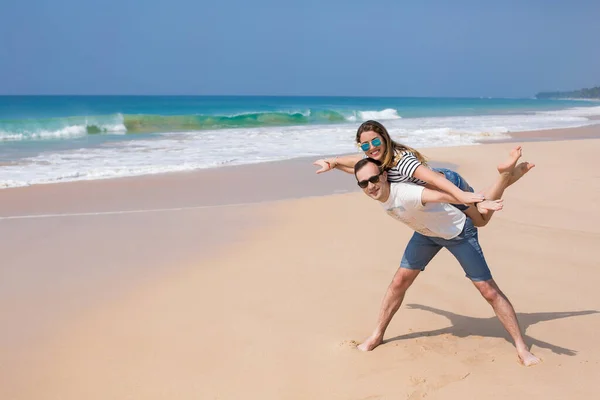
(47, 139)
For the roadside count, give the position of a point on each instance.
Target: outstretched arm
(437, 196)
(440, 182)
(343, 163)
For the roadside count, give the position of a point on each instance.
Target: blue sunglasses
(366, 146)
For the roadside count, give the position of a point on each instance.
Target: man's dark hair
(359, 165)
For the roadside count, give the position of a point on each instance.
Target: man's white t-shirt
(433, 219)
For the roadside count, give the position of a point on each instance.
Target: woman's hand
(325, 165)
(341, 163)
(468, 198)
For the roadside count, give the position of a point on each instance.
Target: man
(438, 224)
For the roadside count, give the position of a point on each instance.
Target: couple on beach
(442, 209)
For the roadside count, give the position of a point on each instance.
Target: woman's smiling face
(376, 148)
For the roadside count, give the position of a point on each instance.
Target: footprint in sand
(423, 387)
(348, 344)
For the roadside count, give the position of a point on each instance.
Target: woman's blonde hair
(390, 158)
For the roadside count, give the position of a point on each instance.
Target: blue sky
(263, 47)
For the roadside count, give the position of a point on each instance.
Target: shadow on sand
(464, 326)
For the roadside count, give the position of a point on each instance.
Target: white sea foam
(574, 112)
(172, 152)
(67, 132)
(387, 114)
(61, 128)
(383, 115)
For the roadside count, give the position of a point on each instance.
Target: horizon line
(262, 95)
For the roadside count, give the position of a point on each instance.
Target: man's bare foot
(489, 205)
(527, 358)
(519, 171)
(509, 165)
(371, 342)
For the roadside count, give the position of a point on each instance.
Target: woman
(405, 164)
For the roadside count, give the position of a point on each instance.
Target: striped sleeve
(408, 164)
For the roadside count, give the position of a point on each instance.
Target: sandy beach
(256, 282)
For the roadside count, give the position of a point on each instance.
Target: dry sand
(266, 301)
(582, 132)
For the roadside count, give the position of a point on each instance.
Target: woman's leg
(509, 173)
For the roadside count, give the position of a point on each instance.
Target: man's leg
(418, 253)
(391, 303)
(507, 316)
(469, 254)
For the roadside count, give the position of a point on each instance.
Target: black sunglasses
(374, 179)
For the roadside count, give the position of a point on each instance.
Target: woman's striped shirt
(406, 165)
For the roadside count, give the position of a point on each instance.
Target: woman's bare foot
(519, 171)
(509, 165)
(371, 342)
(489, 205)
(527, 358)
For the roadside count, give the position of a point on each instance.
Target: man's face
(378, 190)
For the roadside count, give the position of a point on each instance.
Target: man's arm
(437, 196)
(439, 181)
